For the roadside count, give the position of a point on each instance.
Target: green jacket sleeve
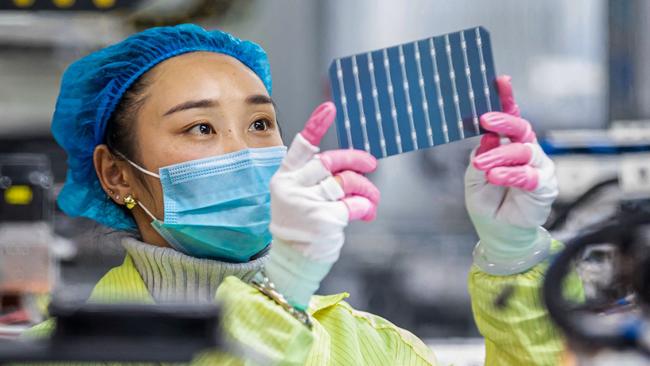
(519, 330)
(358, 338)
(259, 327)
(341, 335)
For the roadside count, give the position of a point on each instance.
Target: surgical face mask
(218, 207)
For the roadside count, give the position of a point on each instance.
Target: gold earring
(130, 202)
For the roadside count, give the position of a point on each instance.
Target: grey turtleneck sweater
(171, 276)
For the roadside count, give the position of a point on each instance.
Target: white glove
(313, 197)
(509, 190)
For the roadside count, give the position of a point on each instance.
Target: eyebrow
(209, 103)
(260, 99)
(204, 103)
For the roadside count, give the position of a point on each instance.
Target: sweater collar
(171, 276)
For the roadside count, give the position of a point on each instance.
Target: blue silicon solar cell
(415, 95)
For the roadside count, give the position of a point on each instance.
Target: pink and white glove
(313, 197)
(509, 189)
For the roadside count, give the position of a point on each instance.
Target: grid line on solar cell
(391, 95)
(436, 80)
(384, 112)
(343, 99)
(375, 101)
(409, 106)
(355, 71)
(425, 104)
(468, 76)
(486, 88)
(455, 97)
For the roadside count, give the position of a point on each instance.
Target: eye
(260, 125)
(201, 129)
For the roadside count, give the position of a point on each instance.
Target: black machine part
(121, 333)
(643, 281)
(560, 218)
(622, 331)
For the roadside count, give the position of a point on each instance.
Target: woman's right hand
(313, 197)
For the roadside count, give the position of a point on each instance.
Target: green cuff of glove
(507, 249)
(297, 278)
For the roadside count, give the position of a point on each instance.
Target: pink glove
(507, 165)
(313, 197)
(360, 196)
(509, 189)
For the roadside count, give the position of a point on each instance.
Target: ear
(112, 174)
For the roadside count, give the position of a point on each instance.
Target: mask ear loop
(132, 202)
(147, 211)
(141, 169)
(129, 200)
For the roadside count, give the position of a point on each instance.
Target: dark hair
(120, 136)
(120, 129)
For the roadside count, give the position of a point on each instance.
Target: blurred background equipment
(575, 65)
(121, 333)
(604, 216)
(66, 5)
(27, 266)
(153, 13)
(612, 327)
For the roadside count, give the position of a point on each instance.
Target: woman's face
(196, 105)
(203, 104)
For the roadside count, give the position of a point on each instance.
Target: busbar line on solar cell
(441, 101)
(339, 75)
(393, 109)
(452, 76)
(375, 100)
(409, 106)
(486, 88)
(362, 115)
(423, 96)
(468, 76)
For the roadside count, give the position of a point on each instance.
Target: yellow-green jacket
(518, 334)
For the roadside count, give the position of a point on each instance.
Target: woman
(172, 135)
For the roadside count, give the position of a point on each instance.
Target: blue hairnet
(91, 89)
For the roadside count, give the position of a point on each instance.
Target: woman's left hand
(509, 189)
(314, 195)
